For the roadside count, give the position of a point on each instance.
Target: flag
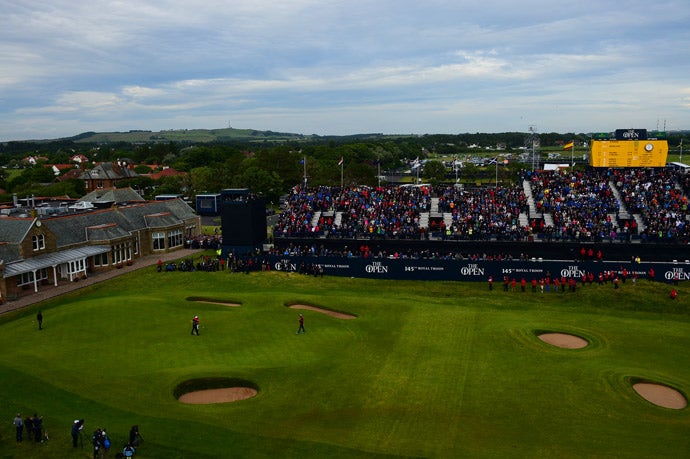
(415, 163)
(569, 145)
(340, 163)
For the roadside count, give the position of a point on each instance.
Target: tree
(434, 172)
(206, 179)
(142, 185)
(73, 188)
(359, 174)
(260, 181)
(29, 176)
(174, 184)
(142, 169)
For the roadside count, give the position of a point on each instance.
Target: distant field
(427, 369)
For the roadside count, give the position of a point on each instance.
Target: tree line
(269, 168)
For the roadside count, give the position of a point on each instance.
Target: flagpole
(378, 164)
(572, 156)
(304, 162)
(341, 173)
(497, 172)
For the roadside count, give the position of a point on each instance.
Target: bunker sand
(222, 303)
(564, 340)
(339, 315)
(661, 395)
(224, 395)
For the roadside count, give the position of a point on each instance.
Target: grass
(428, 369)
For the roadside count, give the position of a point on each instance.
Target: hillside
(187, 135)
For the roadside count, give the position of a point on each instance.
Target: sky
(332, 67)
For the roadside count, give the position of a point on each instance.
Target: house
(79, 159)
(38, 253)
(166, 172)
(33, 160)
(59, 168)
(107, 175)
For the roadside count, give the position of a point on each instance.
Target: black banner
(474, 271)
(631, 134)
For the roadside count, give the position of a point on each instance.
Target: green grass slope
(425, 370)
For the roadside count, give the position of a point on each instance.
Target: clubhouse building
(46, 245)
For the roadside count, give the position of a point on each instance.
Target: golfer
(195, 326)
(301, 325)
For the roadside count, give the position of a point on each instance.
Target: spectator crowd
(592, 205)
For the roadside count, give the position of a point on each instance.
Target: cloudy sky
(343, 67)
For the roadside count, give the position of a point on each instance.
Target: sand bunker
(339, 315)
(563, 340)
(225, 395)
(661, 395)
(197, 299)
(223, 303)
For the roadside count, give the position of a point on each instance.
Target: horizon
(340, 68)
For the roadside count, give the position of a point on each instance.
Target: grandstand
(627, 210)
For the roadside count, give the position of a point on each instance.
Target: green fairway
(427, 369)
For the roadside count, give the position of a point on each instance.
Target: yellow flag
(568, 145)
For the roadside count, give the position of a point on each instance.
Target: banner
(473, 271)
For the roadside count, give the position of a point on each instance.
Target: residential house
(107, 175)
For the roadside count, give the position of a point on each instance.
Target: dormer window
(39, 242)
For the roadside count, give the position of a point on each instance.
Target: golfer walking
(301, 325)
(195, 326)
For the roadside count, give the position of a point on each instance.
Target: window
(100, 260)
(77, 266)
(121, 252)
(39, 242)
(175, 238)
(28, 278)
(158, 241)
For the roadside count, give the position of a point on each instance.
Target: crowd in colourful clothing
(585, 206)
(482, 213)
(660, 197)
(581, 204)
(381, 212)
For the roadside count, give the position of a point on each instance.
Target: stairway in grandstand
(532, 206)
(623, 213)
(640, 223)
(622, 210)
(448, 219)
(434, 205)
(315, 218)
(436, 214)
(523, 219)
(424, 220)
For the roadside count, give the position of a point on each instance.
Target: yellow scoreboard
(628, 153)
